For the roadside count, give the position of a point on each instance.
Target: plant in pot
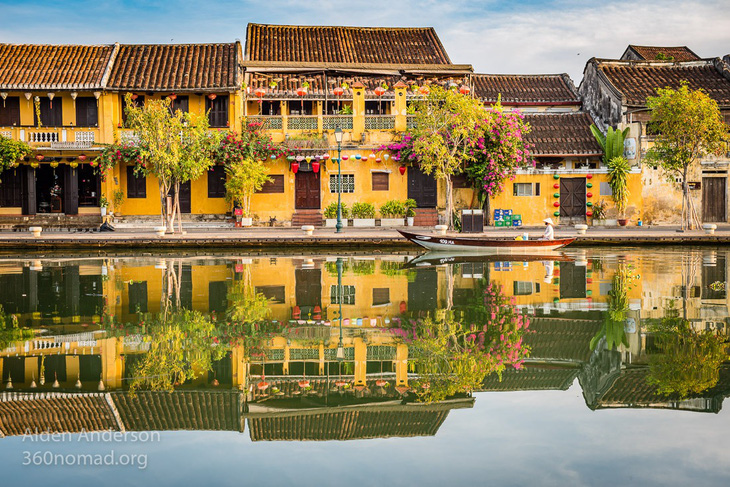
(363, 215)
(409, 207)
(599, 213)
(104, 204)
(330, 214)
(117, 200)
(245, 177)
(618, 171)
(391, 213)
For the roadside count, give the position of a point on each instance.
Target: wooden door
(422, 188)
(70, 190)
(185, 197)
(573, 198)
(306, 191)
(713, 200)
(29, 199)
(308, 287)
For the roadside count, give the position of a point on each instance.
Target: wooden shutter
(276, 185)
(180, 103)
(381, 181)
(381, 295)
(86, 112)
(11, 188)
(138, 102)
(51, 116)
(136, 185)
(217, 111)
(217, 182)
(460, 181)
(10, 112)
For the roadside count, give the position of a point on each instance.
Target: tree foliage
(689, 127)
(612, 143)
(11, 151)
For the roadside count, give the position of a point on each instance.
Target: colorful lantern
(304, 383)
(424, 90)
(556, 185)
(339, 91)
(378, 160)
(386, 156)
(364, 158)
(289, 158)
(344, 158)
(379, 91)
(464, 90)
(172, 96)
(260, 92)
(301, 91)
(73, 164)
(54, 164)
(589, 176)
(325, 156)
(402, 170)
(589, 185)
(263, 385)
(300, 158)
(556, 204)
(556, 195)
(82, 157)
(39, 157)
(589, 213)
(315, 166)
(295, 167)
(556, 213)
(212, 96)
(34, 165)
(308, 158)
(589, 195)
(358, 156)
(556, 176)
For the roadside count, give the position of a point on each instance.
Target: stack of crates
(498, 218)
(505, 218)
(516, 220)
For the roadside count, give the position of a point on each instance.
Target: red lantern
(212, 96)
(135, 96)
(589, 213)
(403, 307)
(40, 157)
(556, 185)
(172, 96)
(423, 90)
(402, 170)
(339, 91)
(315, 166)
(589, 195)
(304, 383)
(325, 156)
(589, 176)
(260, 92)
(301, 91)
(263, 385)
(82, 157)
(556, 204)
(379, 91)
(464, 90)
(589, 280)
(295, 167)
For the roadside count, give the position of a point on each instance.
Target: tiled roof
(650, 53)
(525, 88)
(531, 378)
(60, 67)
(176, 67)
(561, 339)
(353, 45)
(554, 134)
(350, 423)
(636, 80)
(180, 410)
(54, 412)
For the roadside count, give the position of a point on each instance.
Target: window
(270, 107)
(381, 296)
(217, 182)
(218, 297)
(139, 101)
(522, 288)
(381, 181)
(606, 189)
(348, 183)
(276, 185)
(275, 294)
(51, 113)
(89, 186)
(10, 188)
(180, 103)
(136, 184)
(303, 107)
(137, 297)
(87, 114)
(522, 189)
(348, 294)
(460, 181)
(10, 112)
(217, 111)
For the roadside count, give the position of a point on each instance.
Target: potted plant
(618, 171)
(330, 214)
(599, 213)
(363, 215)
(410, 210)
(104, 204)
(117, 200)
(391, 213)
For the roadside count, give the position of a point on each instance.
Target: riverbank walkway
(351, 238)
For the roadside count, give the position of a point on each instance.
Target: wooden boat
(437, 258)
(486, 246)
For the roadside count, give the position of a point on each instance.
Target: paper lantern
(556, 176)
(315, 166)
(589, 213)
(39, 157)
(589, 176)
(386, 156)
(358, 156)
(424, 90)
(82, 157)
(295, 167)
(589, 185)
(301, 91)
(273, 156)
(289, 158)
(212, 96)
(464, 90)
(308, 158)
(378, 160)
(364, 158)
(300, 158)
(325, 156)
(344, 158)
(556, 204)
(260, 92)
(556, 185)
(589, 204)
(339, 91)
(589, 280)
(556, 213)
(172, 96)
(379, 91)
(402, 170)
(589, 195)
(556, 195)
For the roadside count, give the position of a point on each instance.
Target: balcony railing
(331, 122)
(268, 122)
(379, 122)
(128, 137)
(42, 137)
(302, 122)
(410, 121)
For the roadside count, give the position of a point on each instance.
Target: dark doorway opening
(49, 189)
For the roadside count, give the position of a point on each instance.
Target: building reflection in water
(77, 332)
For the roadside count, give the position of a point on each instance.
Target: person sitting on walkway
(549, 231)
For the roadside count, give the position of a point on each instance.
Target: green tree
(245, 177)
(174, 147)
(612, 143)
(689, 127)
(446, 124)
(11, 151)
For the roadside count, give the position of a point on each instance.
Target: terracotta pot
(623, 221)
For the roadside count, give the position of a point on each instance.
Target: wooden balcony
(58, 138)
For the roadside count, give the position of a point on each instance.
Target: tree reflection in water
(618, 305)
(453, 351)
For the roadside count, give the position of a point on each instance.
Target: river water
(596, 366)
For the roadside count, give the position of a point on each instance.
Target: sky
(532, 36)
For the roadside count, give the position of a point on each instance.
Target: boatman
(549, 231)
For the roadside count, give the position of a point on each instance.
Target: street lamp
(340, 347)
(338, 226)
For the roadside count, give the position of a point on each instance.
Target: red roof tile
(176, 67)
(46, 67)
(525, 88)
(637, 80)
(354, 45)
(554, 134)
(651, 53)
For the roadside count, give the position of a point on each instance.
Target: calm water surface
(589, 367)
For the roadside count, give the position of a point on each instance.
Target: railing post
(401, 119)
(320, 118)
(358, 110)
(284, 117)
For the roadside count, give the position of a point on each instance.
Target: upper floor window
(270, 107)
(10, 112)
(217, 111)
(181, 103)
(51, 113)
(303, 107)
(139, 101)
(87, 112)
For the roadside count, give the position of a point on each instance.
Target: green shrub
(392, 209)
(410, 207)
(363, 267)
(363, 210)
(331, 210)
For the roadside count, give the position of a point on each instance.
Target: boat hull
(442, 243)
